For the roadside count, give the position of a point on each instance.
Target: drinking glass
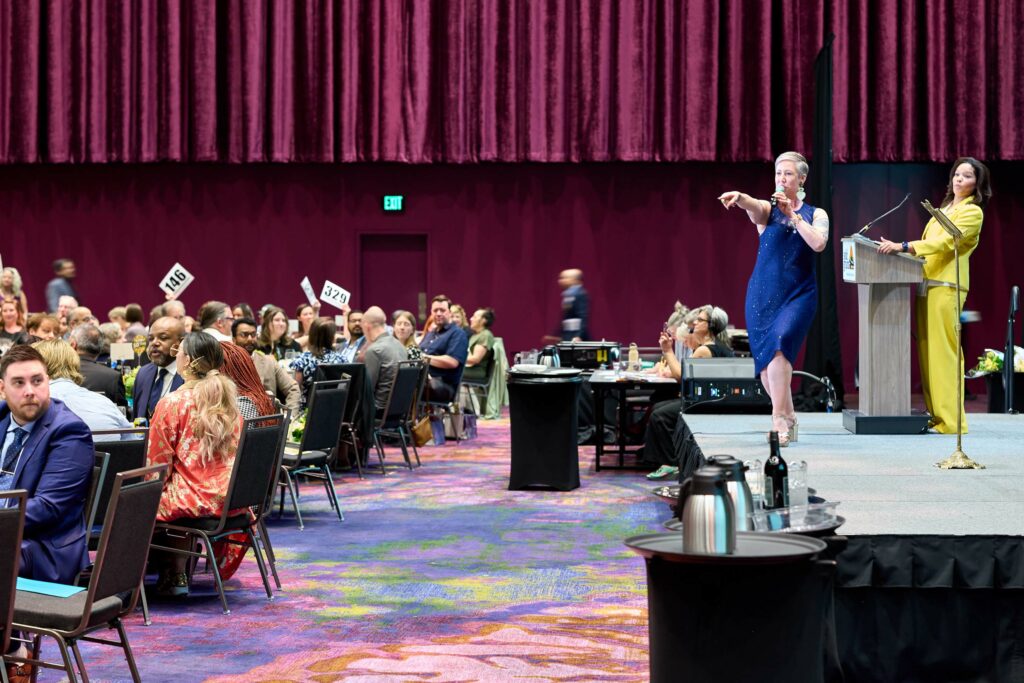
(797, 492)
(755, 481)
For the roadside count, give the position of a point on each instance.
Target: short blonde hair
(797, 158)
(61, 360)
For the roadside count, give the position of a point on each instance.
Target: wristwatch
(906, 247)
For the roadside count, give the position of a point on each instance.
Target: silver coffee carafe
(709, 517)
(739, 491)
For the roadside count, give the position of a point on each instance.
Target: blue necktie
(155, 391)
(11, 457)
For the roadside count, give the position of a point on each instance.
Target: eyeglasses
(706, 321)
(246, 335)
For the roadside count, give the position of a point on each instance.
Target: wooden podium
(883, 304)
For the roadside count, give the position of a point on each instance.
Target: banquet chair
(313, 455)
(113, 587)
(12, 525)
(251, 475)
(125, 454)
(350, 437)
(394, 420)
(475, 391)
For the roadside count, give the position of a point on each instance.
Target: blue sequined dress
(782, 295)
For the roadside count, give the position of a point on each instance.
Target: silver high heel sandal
(794, 428)
(785, 436)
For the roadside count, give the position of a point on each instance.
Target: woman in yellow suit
(967, 194)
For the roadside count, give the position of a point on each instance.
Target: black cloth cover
(543, 415)
(931, 608)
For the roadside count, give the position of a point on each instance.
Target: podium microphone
(870, 223)
(778, 188)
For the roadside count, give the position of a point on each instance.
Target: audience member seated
(321, 351)
(707, 338)
(354, 339)
(382, 354)
(13, 317)
(160, 376)
(156, 313)
(275, 380)
(133, 315)
(42, 326)
(96, 410)
(10, 287)
(189, 323)
(274, 340)
(116, 316)
(111, 333)
(675, 330)
(481, 346)
(79, 316)
(242, 310)
(65, 305)
(444, 348)
(60, 286)
(48, 451)
(87, 341)
(195, 430)
(305, 314)
(215, 320)
(174, 309)
(460, 319)
(252, 398)
(404, 325)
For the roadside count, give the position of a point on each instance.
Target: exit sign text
(394, 203)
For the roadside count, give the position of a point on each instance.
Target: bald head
(164, 336)
(570, 277)
(79, 316)
(174, 309)
(374, 322)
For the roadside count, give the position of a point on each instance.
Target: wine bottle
(776, 476)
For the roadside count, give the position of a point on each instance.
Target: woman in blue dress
(782, 294)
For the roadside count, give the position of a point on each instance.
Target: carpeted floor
(440, 574)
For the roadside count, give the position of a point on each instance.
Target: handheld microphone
(1014, 301)
(778, 188)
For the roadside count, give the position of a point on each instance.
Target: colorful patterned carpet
(441, 574)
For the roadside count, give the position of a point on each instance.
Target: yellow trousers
(937, 354)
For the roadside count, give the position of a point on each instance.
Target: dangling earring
(800, 194)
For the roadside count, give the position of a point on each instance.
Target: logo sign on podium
(335, 295)
(849, 265)
(176, 280)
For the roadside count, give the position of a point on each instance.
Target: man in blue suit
(48, 451)
(160, 377)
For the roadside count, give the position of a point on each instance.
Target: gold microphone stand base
(959, 461)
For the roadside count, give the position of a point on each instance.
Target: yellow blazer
(936, 245)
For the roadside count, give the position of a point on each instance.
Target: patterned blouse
(192, 489)
(307, 364)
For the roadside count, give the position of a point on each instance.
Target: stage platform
(889, 484)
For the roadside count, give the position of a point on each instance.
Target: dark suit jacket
(99, 377)
(144, 384)
(56, 469)
(576, 306)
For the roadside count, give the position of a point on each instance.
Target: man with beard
(276, 379)
(160, 376)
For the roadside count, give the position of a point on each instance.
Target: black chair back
(355, 373)
(403, 394)
(12, 524)
(256, 462)
(420, 388)
(125, 454)
(99, 474)
(324, 415)
(127, 529)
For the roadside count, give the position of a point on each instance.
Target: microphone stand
(1008, 352)
(958, 460)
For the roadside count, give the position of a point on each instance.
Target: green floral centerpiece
(298, 427)
(129, 380)
(991, 362)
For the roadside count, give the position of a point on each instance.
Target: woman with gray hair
(782, 293)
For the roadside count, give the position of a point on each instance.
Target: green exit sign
(394, 203)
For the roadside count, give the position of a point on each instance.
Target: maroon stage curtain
(490, 80)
